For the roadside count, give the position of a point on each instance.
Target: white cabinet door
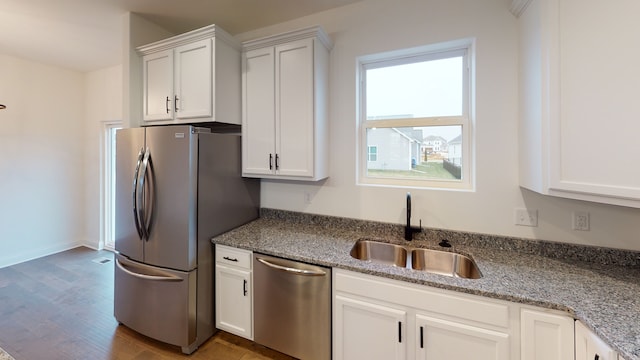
(294, 110)
(597, 96)
(158, 86)
(233, 301)
(364, 330)
(443, 339)
(546, 336)
(193, 80)
(591, 347)
(258, 121)
(577, 99)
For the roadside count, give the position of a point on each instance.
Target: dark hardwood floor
(61, 307)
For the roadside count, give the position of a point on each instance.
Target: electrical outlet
(524, 217)
(307, 198)
(581, 220)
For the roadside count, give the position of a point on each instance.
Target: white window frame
(107, 185)
(465, 47)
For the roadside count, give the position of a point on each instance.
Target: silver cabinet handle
(291, 270)
(164, 277)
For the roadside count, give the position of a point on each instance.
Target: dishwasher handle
(291, 270)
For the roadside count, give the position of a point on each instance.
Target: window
(415, 126)
(372, 153)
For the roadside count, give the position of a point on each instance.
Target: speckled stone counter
(599, 286)
(5, 356)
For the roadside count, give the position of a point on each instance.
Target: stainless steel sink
(432, 261)
(380, 252)
(444, 263)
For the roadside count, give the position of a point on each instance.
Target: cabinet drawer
(233, 257)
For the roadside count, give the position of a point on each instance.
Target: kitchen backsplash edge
(550, 249)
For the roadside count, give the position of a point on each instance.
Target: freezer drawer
(156, 302)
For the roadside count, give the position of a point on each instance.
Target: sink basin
(432, 261)
(445, 263)
(380, 252)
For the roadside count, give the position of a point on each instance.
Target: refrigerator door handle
(151, 191)
(136, 219)
(142, 206)
(161, 276)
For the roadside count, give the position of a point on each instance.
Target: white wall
(136, 31)
(375, 26)
(103, 104)
(107, 101)
(41, 159)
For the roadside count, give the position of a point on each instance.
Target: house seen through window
(415, 125)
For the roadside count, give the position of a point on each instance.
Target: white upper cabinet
(578, 119)
(193, 77)
(284, 117)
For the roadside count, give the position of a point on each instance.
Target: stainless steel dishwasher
(292, 307)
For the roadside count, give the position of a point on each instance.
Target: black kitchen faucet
(408, 229)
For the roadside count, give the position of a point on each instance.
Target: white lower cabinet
(368, 331)
(545, 335)
(444, 339)
(234, 306)
(591, 347)
(378, 318)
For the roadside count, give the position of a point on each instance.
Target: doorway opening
(109, 184)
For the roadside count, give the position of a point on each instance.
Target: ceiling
(86, 35)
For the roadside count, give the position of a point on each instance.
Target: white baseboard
(36, 253)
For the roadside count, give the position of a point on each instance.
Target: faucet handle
(445, 243)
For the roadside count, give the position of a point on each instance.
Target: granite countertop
(599, 286)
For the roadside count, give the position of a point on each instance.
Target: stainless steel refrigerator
(176, 187)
